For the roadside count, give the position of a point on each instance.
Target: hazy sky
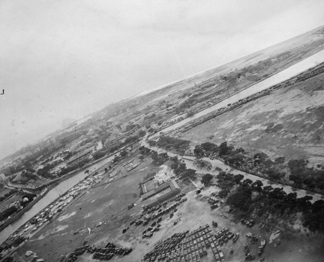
(61, 59)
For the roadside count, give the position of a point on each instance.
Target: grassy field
(286, 123)
(106, 203)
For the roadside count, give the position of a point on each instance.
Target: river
(52, 195)
(286, 74)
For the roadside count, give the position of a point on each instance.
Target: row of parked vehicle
(249, 223)
(106, 253)
(223, 236)
(187, 246)
(254, 239)
(158, 212)
(147, 233)
(166, 247)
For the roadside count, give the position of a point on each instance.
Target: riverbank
(290, 72)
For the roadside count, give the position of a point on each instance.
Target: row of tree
(172, 144)
(248, 198)
(296, 171)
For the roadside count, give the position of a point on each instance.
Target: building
(160, 193)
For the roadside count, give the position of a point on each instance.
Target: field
(106, 203)
(285, 123)
(96, 216)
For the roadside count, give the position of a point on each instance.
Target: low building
(162, 193)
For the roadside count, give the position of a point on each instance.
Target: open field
(104, 203)
(286, 123)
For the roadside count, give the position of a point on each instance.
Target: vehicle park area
(110, 222)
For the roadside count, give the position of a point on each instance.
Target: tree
(223, 149)
(238, 178)
(179, 169)
(206, 179)
(130, 139)
(223, 193)
(241, 199)
(235, 159)
(190, 113)
(247, 181)
(208, 146)
(123, 153)
(141, 133)
(257, 185)
(280, 160)
(189, 173)
(99, 154)
(198, 151)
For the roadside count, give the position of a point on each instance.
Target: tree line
(249, 198)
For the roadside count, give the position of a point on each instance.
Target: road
(188, 160)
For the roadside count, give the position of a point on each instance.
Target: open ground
(288, 122)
